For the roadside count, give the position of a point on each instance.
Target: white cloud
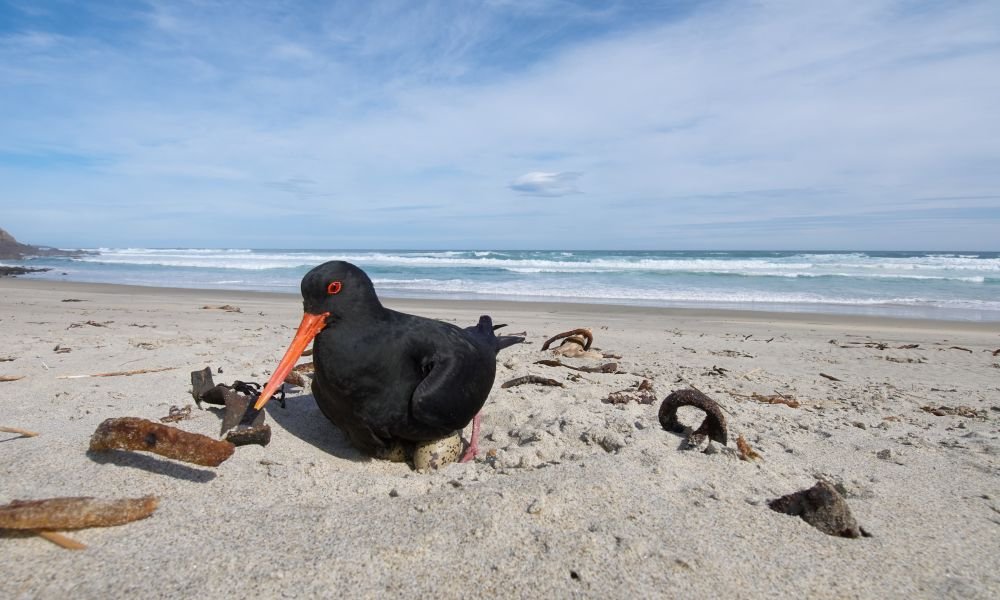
(538, 183)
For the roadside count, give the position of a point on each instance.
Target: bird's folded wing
(448, 397)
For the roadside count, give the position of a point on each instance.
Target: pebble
(536, 506)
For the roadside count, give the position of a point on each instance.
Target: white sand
(582, 497)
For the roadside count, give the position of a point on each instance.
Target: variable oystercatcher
(390, 380)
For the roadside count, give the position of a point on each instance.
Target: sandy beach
(570, 496)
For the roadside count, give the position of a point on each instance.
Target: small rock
(822, 507)
(536, 506)
(884, 454)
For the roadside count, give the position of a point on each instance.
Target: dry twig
(117, 373)
(11, 377)
(63, 541)
(21, 432)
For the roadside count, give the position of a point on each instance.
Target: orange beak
(310, 326)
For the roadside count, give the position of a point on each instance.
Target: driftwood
(11, 377)
(531, 379)
(714, 425)
(830, 377)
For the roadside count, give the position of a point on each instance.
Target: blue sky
(501, 124)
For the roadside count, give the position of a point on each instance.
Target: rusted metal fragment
(131, 433)
(822, 507)
(257, 434)
(236, 407)
(714, 425)
(74, 512)
(201, 382)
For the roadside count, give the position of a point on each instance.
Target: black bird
(387, 378)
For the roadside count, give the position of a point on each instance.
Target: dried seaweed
(960, 411)
(92, 323)
(714, 425)
(74, 512)
(640, 394)
(776, 399)
(745, 451)
(605, 368)
(531, 379)
(960, 348)
(225, 307)
(130, 433)
(177, 413)
(584, 332)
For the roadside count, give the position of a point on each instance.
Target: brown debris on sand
(4, 378)
(575, 344)
(960, 411)
(641, 393)
(177, 413)
(131, 433)
(224, 307)
(823, 507)
(74, 512)
(714, 425)
(20, 432)
(531, 379)
(605, 368)
(746, 452)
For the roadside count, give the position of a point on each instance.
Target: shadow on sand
(152, 464)
(303, 419)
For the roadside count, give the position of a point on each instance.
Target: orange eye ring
(334, 287)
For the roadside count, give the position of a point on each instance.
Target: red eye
(334, 288)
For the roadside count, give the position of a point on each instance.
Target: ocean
(941, 285)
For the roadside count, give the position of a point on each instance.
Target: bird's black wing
(458, 377)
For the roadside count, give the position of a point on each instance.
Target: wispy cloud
(679, 114)
(538, 183)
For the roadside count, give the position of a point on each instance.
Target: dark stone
(823, 507)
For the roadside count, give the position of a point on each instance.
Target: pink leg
(470, 452)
